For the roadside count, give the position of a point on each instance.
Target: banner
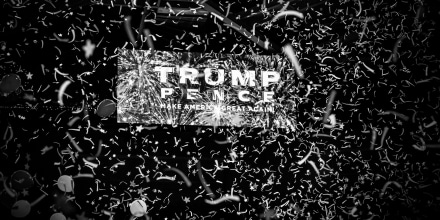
(182, 88)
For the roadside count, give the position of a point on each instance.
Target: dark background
(401, 51)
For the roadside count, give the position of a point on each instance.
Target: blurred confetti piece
(397, 114)
(181, 174)
(81, 109)
(127, 25)
(203, 181)
(305, 157)
(288, 13)
(385, 186)
(360, 8)
(373, 139)
(384, 134)
(74, 142)
(170, 178)
(61, 91)
(35, 202)
(149, 39)
(222, 199)
(222, 142)
(98, 152)
(88, 48)
(10, 132)
(329, 106)
(290, 52)
(8, 190)
(72, 121)
(314, 166)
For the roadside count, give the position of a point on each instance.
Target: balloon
(65, 183)
(57, 216)
(138, 208)
(106, 108)
(21, 209)
(21, 179)
(10, 83)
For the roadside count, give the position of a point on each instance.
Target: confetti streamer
(9, 191)
(149, 40)
(373, 139)
(35, 202)
(436, 146)
(386, 186)
(61, 91)
(360, 8)
(400, 115)
(74, 142)
(127, 25)
(304, 159)
(171, 178)
(314, 166)
(329, 106)
(181, 174)
(72, 121)
(384, 134)
(290, 52)
(222, 199)
(203, 181)
(288, 13)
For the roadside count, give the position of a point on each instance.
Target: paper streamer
(329, 105)
(222, 199)
(305, 157)
(288, 13)
(61, 91)
(74, 142)
(181, 174)
(203, 181)
(290, 52)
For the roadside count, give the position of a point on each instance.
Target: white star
(139, 128)
(29, 75)
(88, 48)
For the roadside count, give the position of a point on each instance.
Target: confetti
(329, 106)
(222, 199)
(288, 13)
(181, 174)
(290, 52)
(203, 181)
(62, 90)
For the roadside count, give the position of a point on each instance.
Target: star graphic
(88, 48)
(132, 184)
(25, 192)
(139, 128)
(186, 199)
(29, 75)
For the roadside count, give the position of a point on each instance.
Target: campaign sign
(203, 89)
